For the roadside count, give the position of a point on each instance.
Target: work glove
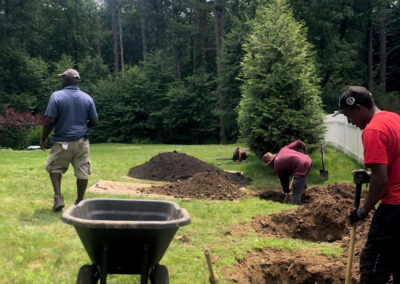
(356, 215)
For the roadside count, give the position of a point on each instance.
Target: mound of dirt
(203, 185)
(309, 196)
(174, 166)
(323, 218)
(282, 267)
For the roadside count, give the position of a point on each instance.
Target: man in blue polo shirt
(70, 113)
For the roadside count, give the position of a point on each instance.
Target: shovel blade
(323, 174)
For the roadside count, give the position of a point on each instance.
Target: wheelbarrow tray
(126, 236)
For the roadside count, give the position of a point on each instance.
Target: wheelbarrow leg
(145, 268)
(103, 269)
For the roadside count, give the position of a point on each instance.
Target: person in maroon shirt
(289, 162)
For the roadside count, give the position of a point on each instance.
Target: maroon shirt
(289, 162)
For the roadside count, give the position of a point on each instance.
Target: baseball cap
(71, 73)
(268, 158)
(352, 96)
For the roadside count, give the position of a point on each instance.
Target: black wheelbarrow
(125, 236)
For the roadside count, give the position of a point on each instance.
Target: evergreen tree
(280, 94)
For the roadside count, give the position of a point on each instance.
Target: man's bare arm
(48, 126)
(93, 122)
(377, 186)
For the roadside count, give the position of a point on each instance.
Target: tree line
(174, 71)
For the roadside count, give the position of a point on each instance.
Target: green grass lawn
(37, 247)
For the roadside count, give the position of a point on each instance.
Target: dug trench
(322, 218)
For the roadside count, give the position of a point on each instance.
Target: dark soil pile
(174, 166)
(324, 217)
(283, 267)
(310, 194)
(203, 185)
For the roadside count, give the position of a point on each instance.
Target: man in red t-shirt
(381, 140)
(291, 163)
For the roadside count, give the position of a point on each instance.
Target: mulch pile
(174, 166)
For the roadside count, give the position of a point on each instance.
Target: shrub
(17, 129)
(280, 94)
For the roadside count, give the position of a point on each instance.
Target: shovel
(322, 173)
(360, 177)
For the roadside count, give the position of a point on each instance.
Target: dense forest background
(169, 71)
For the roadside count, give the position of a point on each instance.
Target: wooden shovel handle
(213, 277)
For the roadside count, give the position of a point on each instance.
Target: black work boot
(58, 203)
(77, 201)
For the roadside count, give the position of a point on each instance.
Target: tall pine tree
(280, 94)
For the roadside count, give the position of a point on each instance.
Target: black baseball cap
(352, 96)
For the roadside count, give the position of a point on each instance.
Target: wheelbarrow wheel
(159, 275)
(88, 274)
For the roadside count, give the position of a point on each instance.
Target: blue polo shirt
(72, 109)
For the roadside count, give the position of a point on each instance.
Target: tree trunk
(121, 46)
(177, 63)
(219, 7)
(382, 52)
(97, 26)
(370, 78)
(202, 30)
(143, 28)
(114, 22)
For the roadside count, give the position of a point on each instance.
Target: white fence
(344, 136)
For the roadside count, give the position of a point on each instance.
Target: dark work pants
(299, 185)
(381, 255)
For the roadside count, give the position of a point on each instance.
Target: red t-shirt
(290, 162)
(381, 140)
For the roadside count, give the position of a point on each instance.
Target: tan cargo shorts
(64, 153)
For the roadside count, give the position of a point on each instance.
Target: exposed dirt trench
(322, 218)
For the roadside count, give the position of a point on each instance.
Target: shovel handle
(357, 198)
(350, 256)
(322, 157)
(213, 277)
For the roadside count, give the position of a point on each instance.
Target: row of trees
(175, 71)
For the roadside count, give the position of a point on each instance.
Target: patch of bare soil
(323, 218)
(174, 166)
(203, 185)
(123, 188)
(282, 267)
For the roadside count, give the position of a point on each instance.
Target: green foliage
(337, 29)
(232, 53)
(189, 116)
(389, 101)
(92, 70)
(280, 93)
(24, 86)
(132, 108)
(33, 136)
(148, 105)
